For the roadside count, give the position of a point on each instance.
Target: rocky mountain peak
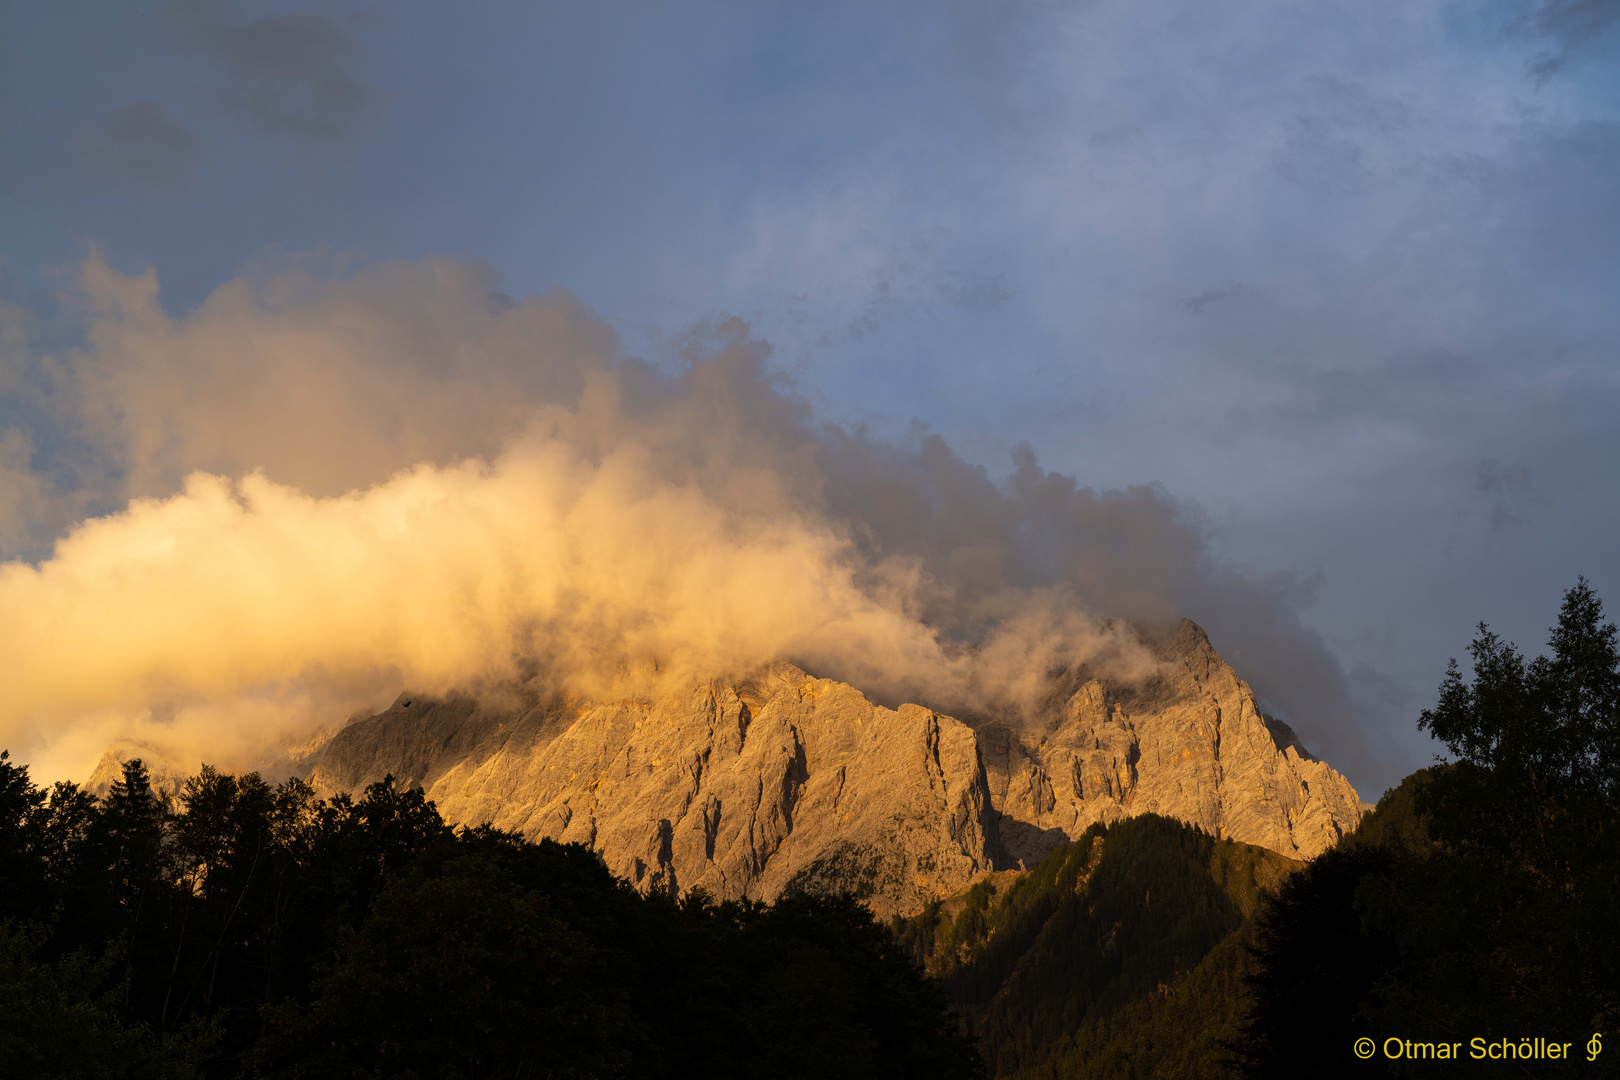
(749, 786)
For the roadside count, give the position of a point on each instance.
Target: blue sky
(1342, 278)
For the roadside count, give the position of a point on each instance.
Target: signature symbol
(1364, 1047)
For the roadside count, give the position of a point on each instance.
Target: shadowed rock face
(747, 787)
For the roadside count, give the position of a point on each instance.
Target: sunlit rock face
(1188, 744)
(745, 788)
(166, 779)
(736, 788)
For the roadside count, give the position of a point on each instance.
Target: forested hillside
(1119, 954)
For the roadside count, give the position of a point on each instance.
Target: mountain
(166, 778)
(749, 787)
(1189, 744)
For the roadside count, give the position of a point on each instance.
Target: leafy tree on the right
(1527, 812)
(1482, 898)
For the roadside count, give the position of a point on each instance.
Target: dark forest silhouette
(260, 931)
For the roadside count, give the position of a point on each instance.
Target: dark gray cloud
(141, 142)
(974, 291)
(287, 76)
(1507, 492)
(1197, 304)
(1138, 553)
(1571, 24)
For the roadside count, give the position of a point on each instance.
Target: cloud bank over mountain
(332, 480)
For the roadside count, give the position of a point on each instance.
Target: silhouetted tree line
(251, 930)
(1482, 898)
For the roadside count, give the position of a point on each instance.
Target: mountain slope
(1189, 743)
(735, 788)
(1119, 954)
(743, 787)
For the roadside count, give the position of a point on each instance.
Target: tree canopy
(1482, 897)
(239, 929)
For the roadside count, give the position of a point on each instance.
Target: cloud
(327, 385)
(343, 481)
(1197, 304)
(286, 76)
(141, 142)
(1573, 24)
(24, 494)
(1507, 491)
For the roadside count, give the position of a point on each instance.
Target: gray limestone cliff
(745, 788)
